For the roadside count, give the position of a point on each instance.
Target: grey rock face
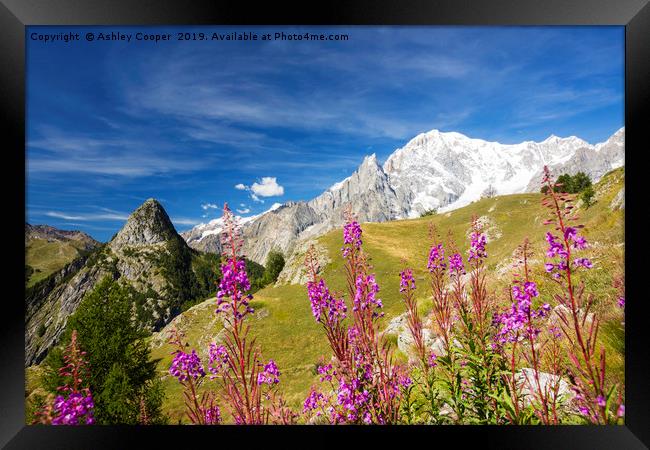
(277, 229)
(294, 270)
(619, 201)
(149, 224)
(367, 191)
(208, 244)
(595, 161)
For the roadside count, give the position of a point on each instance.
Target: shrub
(587, 196)
(429, 212)
(274, 265)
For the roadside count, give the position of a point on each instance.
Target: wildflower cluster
(516, 323)
(186, 365)
(315, 402)
(234, 282)
(364, 381)
(477, 246)
(436, 259)
(270, 375)
(76, 409)
(407, 282)
(322, 301)
(351, 237)
(365, 298)
(456, 265)
(218, 357)
(75, 405)
(593, 398)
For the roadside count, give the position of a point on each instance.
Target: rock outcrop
(136, 255)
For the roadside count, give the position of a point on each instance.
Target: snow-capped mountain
(205, 236)
(433, 170)
(449, 170)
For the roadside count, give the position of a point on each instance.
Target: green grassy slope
(285, 328)
(46, 257)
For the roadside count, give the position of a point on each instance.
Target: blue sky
(195, 124)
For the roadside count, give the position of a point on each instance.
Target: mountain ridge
(434, 170)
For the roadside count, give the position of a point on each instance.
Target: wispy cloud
(56, 151)
(87, 217)
(185, 221)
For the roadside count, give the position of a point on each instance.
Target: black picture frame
(15, 15)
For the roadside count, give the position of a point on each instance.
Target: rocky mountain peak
(148, 224)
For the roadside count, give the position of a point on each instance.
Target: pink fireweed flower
(352, 398)
(218, 359)
(351, 237)
(583, 262)
(477, 247)
(185, 365)
(365, 297)
(270, 375)
(579, 242)
(407, 282)
(314, 401)
(233, 284)
(436, 258)
(404, 380)
(556, 248)
(456, 265)
(212, 416)
(76, 409)
(621, 302)
(555, 332)
(325, 370)
(600, 401)
(621, 411)
(322, 301)
(432, 360)
(516, 321)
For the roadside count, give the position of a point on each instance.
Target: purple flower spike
(270, 375)
(186, 365)
(407, 282)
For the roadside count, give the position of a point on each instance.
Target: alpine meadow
(377, 230)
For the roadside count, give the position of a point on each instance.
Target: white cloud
(243, 211)
(241, 187)
(268, 187)
(256, 198)
(206, 206)
(184, 221)
(89, 217)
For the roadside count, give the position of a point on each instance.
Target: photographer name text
(153, 37)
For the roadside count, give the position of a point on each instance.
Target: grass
(287, 332)
(47, 257)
